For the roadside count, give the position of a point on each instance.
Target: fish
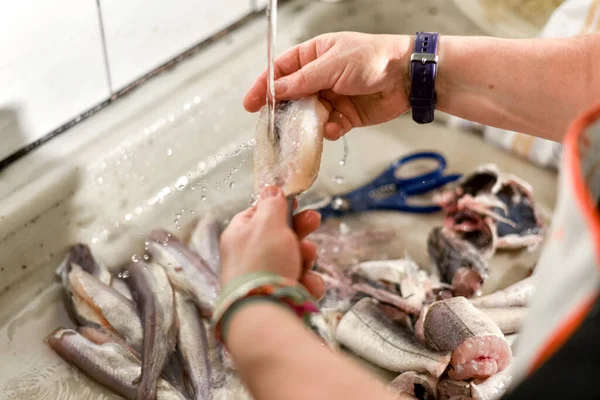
(174, 372)
(478, 346)
(369, 333)
(387, 297)
(117, 313)
(291, 159)
(120, 286)
(494, 387)
(509, 320)
(204, 241)
(421, 386)
(192, 342)
(458, 262)
(110, 364)
(515, 295)
(82, 255)
(186, 270)
(451, 389)
(154, 296)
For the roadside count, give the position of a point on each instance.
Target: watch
(422, 72)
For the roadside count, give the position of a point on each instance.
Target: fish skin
(421, 386)
(186, 271)
(368, 332)
(204, 241)
(121, 286)
(110, 364)
(82, 255)
(292, 158)
(515, 295)
(192, 343)
(458, 261)
(509, 320)
(478, 346)
(119, 313)
(174, 373)
(154, 296)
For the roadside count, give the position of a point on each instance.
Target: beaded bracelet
(261, 286)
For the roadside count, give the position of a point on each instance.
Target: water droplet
(231, 184)
(180, 253)
(125, 274)
(186, 107)
(146, 257)
(128, 217)
(138, 210)
(135, 258)
(342, 162)
(204, 188)
(201, 166)
(203, 198)
(197, 99)
(182, 182)
(169, 152)
(218, 185)
(94, 240)
(99, 180)
(344, 228)
(338, 179)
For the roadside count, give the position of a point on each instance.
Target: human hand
(362, 79)
(259, 239)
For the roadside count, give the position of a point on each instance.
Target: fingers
(300, 65)
(308, 251)
(314, 284)
(306, 223)
(272, 208)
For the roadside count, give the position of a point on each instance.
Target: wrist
(401, 49)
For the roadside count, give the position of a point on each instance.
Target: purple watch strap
(423, 70)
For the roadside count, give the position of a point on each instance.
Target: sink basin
(313, 18)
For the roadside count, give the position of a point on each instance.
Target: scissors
(389, 192)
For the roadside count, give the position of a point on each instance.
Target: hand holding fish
(259, 240)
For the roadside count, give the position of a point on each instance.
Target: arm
(534, 86)
(278, 358)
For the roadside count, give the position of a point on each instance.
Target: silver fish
(204, 241)
(186, 270)
(110, 364)
(368, 332)
(458, 261)
(421, 386)
(82, 255)
(509, 320)
(515, 295)
(117, 313)
(292, 157)
(192, 343)
(121, 286)
(478, 347)
(151, 288)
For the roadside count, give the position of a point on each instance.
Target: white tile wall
(51, 68)
(141, 34)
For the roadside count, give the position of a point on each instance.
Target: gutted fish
(383, 295)
(458, 262)
(420, 386)
(369, 333)
(186, 270)
(205, 241)
(118, 314)
(192, 342)
(451, 389)
(120, 286)
(174, 372)
(515, 295)
(110, 364)
(292, 157)
(153, 293)
(478, 347)
(81, 255)
(475, 228)
(494, 387)
(509, 320)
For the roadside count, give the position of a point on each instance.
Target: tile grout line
(104, 49)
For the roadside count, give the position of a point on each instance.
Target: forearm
(278, 358)
(533, 86)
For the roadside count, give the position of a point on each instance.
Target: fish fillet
(110, 364)
(478, 347)
(421, 386)
(515, 295)
(151, 288)
(369, 333)
(292, 158)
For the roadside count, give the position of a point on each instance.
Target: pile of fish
(142, 330)
(486, 211)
